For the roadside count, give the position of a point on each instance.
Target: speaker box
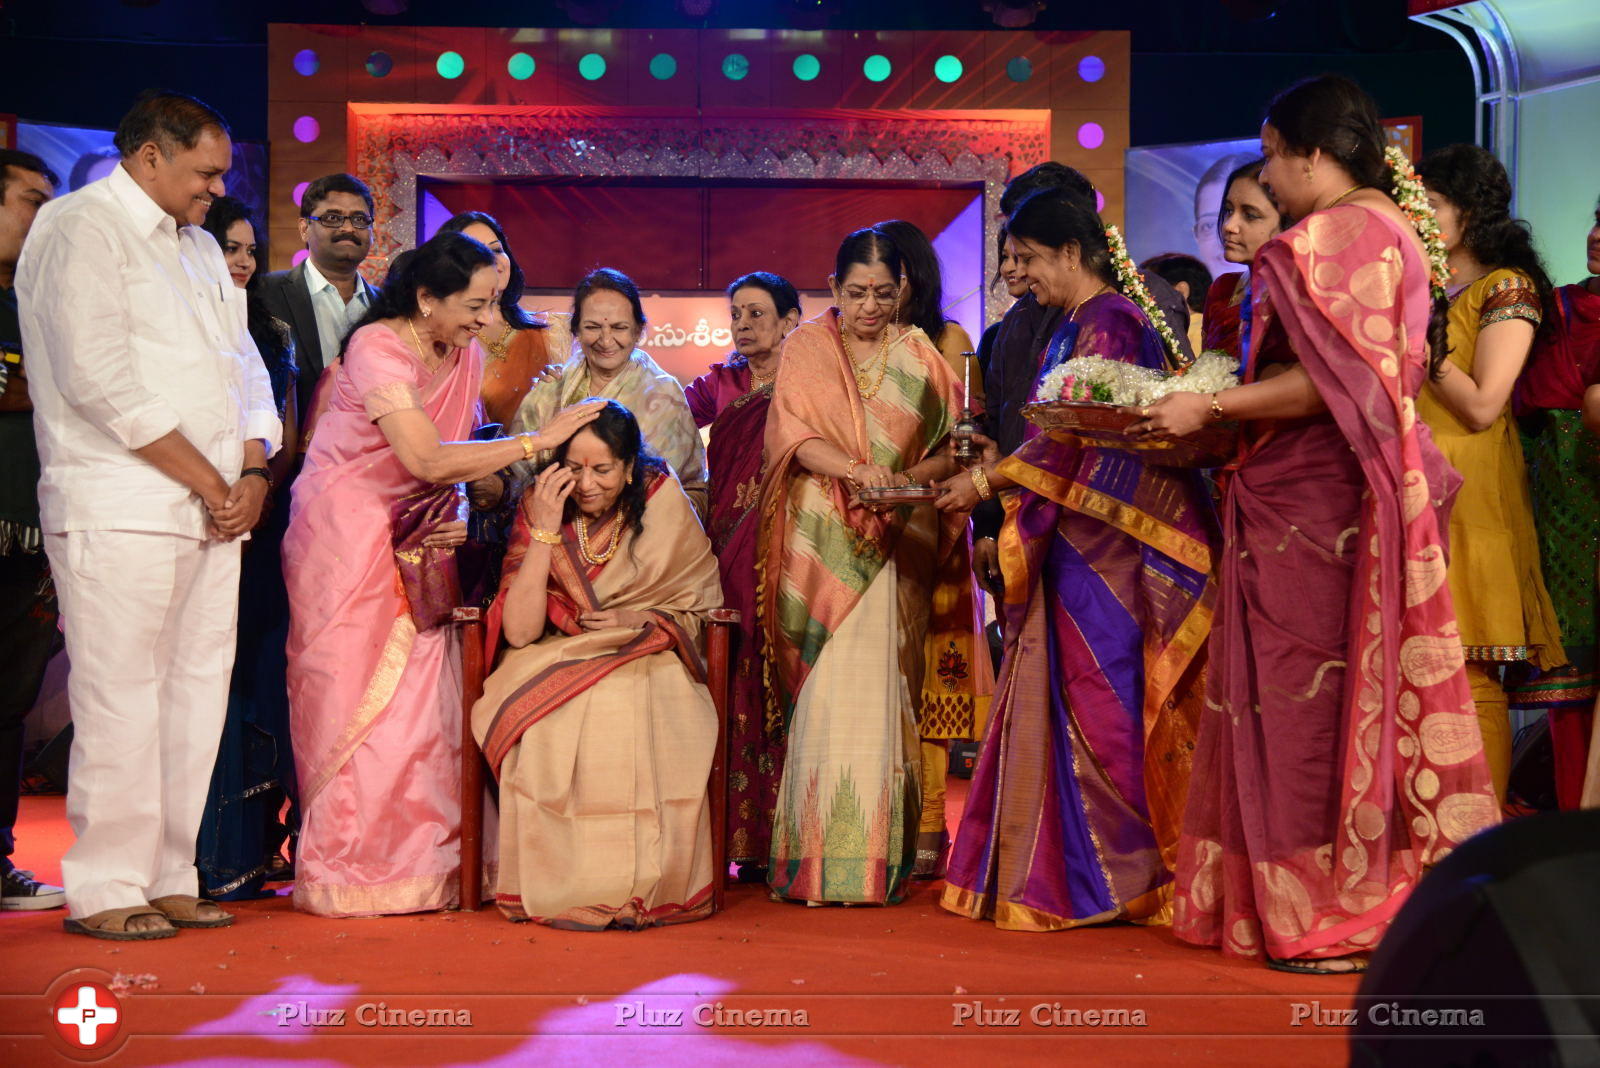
(1495, 959)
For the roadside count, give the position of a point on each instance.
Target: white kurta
(134, 329)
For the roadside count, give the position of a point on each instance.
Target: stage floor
(909, 984)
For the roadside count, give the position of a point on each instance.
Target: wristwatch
(265, 475)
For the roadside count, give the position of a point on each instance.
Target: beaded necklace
(581, 525)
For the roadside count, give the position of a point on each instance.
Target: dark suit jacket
(287, 298)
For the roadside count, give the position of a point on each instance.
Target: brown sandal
(183, 910)
(112, 924)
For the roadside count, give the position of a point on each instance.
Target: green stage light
(948, 69)
(735, 67)
(807, 67)
(521, 66)
(592, 67)
(877, 68)
(450, 65)
(663, 67)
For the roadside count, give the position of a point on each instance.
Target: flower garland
(1133, 288)
(1412, 199)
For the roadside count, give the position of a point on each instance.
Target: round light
(735, 67)
(1019, 68)
(947, 69)
(663, 66)
(379, 64)
(300, 257)
(1099, 201)
(807, 67)
(592, 67)
(450, 65)
(306, 62)
(877, 68)
(1091, 68)
(1091, 135)
(521, 66)
(307, 129)
(300, 192)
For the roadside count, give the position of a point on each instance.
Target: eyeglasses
(333, 220)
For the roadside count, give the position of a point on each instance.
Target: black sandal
(1304, 966)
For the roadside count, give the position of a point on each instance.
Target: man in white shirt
(324, 297)
(154, 418)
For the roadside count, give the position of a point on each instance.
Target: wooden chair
(718, 640)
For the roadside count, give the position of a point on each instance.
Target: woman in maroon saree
(1339, 755)
(732, 398)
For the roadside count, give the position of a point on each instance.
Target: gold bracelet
(548, 537)
(1216, 409)
(980, 482)
(528, 450)
(849, 471)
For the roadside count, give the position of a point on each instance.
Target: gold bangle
(548, 537)
(1216, 409)
(528, 449)
(980, 482)
(849, 471)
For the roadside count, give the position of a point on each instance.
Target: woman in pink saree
(1339, 755)
(374, 678)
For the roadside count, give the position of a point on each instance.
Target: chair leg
(719, 681)
(472, 674)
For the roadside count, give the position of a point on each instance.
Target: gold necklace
(1073, 315)
(1335, 201)
(581, 525)
(759, 380)
(864, 373)
(422, 353)
(496, 350)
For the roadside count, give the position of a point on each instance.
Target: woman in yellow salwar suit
(597, 720)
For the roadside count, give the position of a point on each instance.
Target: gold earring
(1308, 172)
(426, 312)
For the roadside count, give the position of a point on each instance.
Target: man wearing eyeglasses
(324, 296)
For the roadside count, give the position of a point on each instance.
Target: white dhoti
(150, 621)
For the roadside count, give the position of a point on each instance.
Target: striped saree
(845, 598)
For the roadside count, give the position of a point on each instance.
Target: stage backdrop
(738, 149)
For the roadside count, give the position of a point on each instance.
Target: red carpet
(876, 985)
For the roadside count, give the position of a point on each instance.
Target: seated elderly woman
(597, 720)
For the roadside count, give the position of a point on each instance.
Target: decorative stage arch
(393, 104)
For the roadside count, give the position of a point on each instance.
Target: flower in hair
(1133, 287)
(1412, 199)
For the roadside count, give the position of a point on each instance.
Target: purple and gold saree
(1073, 813)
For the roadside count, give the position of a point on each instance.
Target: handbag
(429, 575)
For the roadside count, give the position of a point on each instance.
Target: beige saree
(602, 740)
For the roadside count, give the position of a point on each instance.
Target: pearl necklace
(864, 373)
(581, 525)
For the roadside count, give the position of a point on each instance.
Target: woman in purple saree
(732, 398)
(1072, 817)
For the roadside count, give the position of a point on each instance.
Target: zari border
(379, 692)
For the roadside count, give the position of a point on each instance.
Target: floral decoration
(1412, 198)
(1133, 287)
